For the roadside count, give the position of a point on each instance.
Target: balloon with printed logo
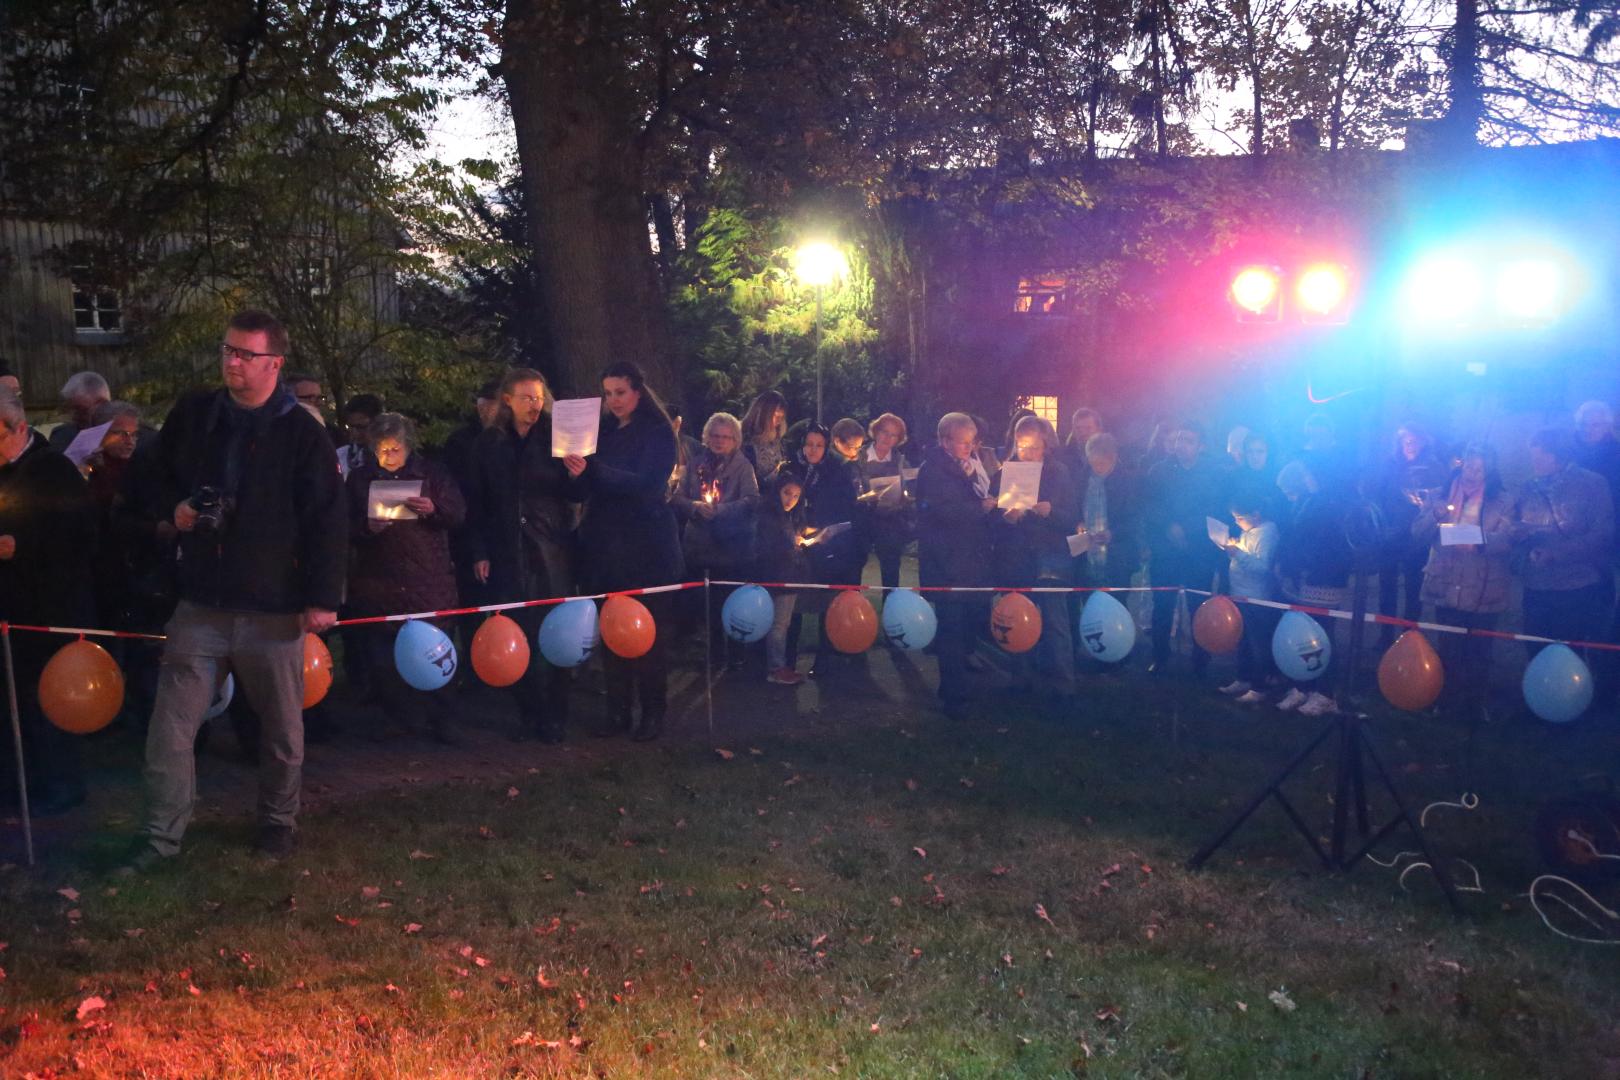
(317, 671)
(500, 651)
(568, 636)
(852, 625)
(1107, 631)
(747, 614)
(908, 620)
(222, 697)
(1015, 623)
(424, 655)
(1301, 647)
(1557, 684)
(1410, 674)
(627, 626)
(81, 688)
(1218, 625)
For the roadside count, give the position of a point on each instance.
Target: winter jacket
(627, 538)
(725, 542)
(284, 543)
(1397, 482)
(1314, 553)
(1566, 527)
(830, 490)
(777, 554)
(1603, 458)
(519, 513)
(1468, 577)
(45, 506)
(953, 528)
(1035, 546)
(1185, 497)
(404, 567)
(1122, 490)
(1252, 564)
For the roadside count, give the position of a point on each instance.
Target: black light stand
(1354, 750)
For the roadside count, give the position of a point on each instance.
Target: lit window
(96, 306)
(1042, 406)
(1041, 296)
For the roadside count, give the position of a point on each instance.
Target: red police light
(1322, 293)
(1257, 293)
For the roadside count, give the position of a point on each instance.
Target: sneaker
(1292, 700)
(142, 857)
(276, 841)
(1250, 697)
(785, 676)
(1318, 705)
(1236, 687)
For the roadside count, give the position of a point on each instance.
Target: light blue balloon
(1557, 684)
(908, 620)
(568, 635)
(1107, 631)
(747, 614)
(222, 697)
(1301, 647)
(424, 655)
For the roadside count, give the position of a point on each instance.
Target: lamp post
(818, 264)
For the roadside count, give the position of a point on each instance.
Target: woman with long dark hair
(627, 538)
(763, 426)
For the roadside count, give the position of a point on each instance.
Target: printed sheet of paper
(887, 488)
(1451, 535)
(86, 443)
(575, 424)
(1020, 485)
(1079, 544)
(908, 475)
(1219, 534)
(386, 500)
(826, 532)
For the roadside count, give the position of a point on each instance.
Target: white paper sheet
(887, 488)
(908, 475)
(826, 532)
(86, 443)
(385, 501)
(1079, 544)
(575, 424)
(1219, 534)
(1020, 485)
(1451, 535)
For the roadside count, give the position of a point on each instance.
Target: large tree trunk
(575, 128)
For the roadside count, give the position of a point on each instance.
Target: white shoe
(1292, 700)
(1318, 705)
(1250, 697)
(1235, 687)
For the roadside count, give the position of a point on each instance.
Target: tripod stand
(1354, 749)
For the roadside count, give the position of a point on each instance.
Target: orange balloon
(852, 625)
(627, 626)
(1218, 625)
(81, 688)
(500, 651)
(1410, 673)
(317, 670)
(1015, 622)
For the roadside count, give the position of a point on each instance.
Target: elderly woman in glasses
(401, 556)
(717, 499)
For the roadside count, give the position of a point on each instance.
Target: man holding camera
(250, 481)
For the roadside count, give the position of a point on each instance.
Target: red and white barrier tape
(1308, 609)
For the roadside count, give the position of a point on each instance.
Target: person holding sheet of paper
(890, 511)
(1183, 490)
(401, 564)
(833, 554)
(1412, 476)
(1031, 546)
(519, 536)
(953, 546)
(716, 501)
(627, 537)
(1469, 584)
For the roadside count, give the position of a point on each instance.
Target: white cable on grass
(1469, 801)
(1613, 916)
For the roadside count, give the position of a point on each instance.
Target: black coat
(830, 489)
(627, 538)
(46, 506)
(284, 546)
(406, 566)
(1185, 497)
(777, 554)
(519, 513)
(953, 528)
(1122, 490)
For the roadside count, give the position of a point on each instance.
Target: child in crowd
(780, 558)
(1252, 559)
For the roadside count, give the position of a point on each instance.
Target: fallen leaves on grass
(88, 1006)
(921, 854)
(1281, 999)
(656, 886)
(1000, 871)
(347, 922)
(420, 854)
(413, 928)
(911, 785)
(528, 1039)
(512, 793)
(541, 981)
(1107, 1013)
(724, 755)
(1040, 913)
(69, 893)
(369, 892)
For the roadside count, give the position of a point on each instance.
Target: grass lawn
(867, 890)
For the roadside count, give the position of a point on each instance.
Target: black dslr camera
(212, 507)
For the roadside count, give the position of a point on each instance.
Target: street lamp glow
(818, 263)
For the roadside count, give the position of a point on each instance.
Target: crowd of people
(248, 518)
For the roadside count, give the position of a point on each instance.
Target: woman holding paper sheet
(520, 536)
(891, 519)
(627, 537)
(1468, 583)
(401, 556)
(953, 545)
(1030, 535)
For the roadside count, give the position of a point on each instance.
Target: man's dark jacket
(46, 505)
(518, 512)
(284, 546)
